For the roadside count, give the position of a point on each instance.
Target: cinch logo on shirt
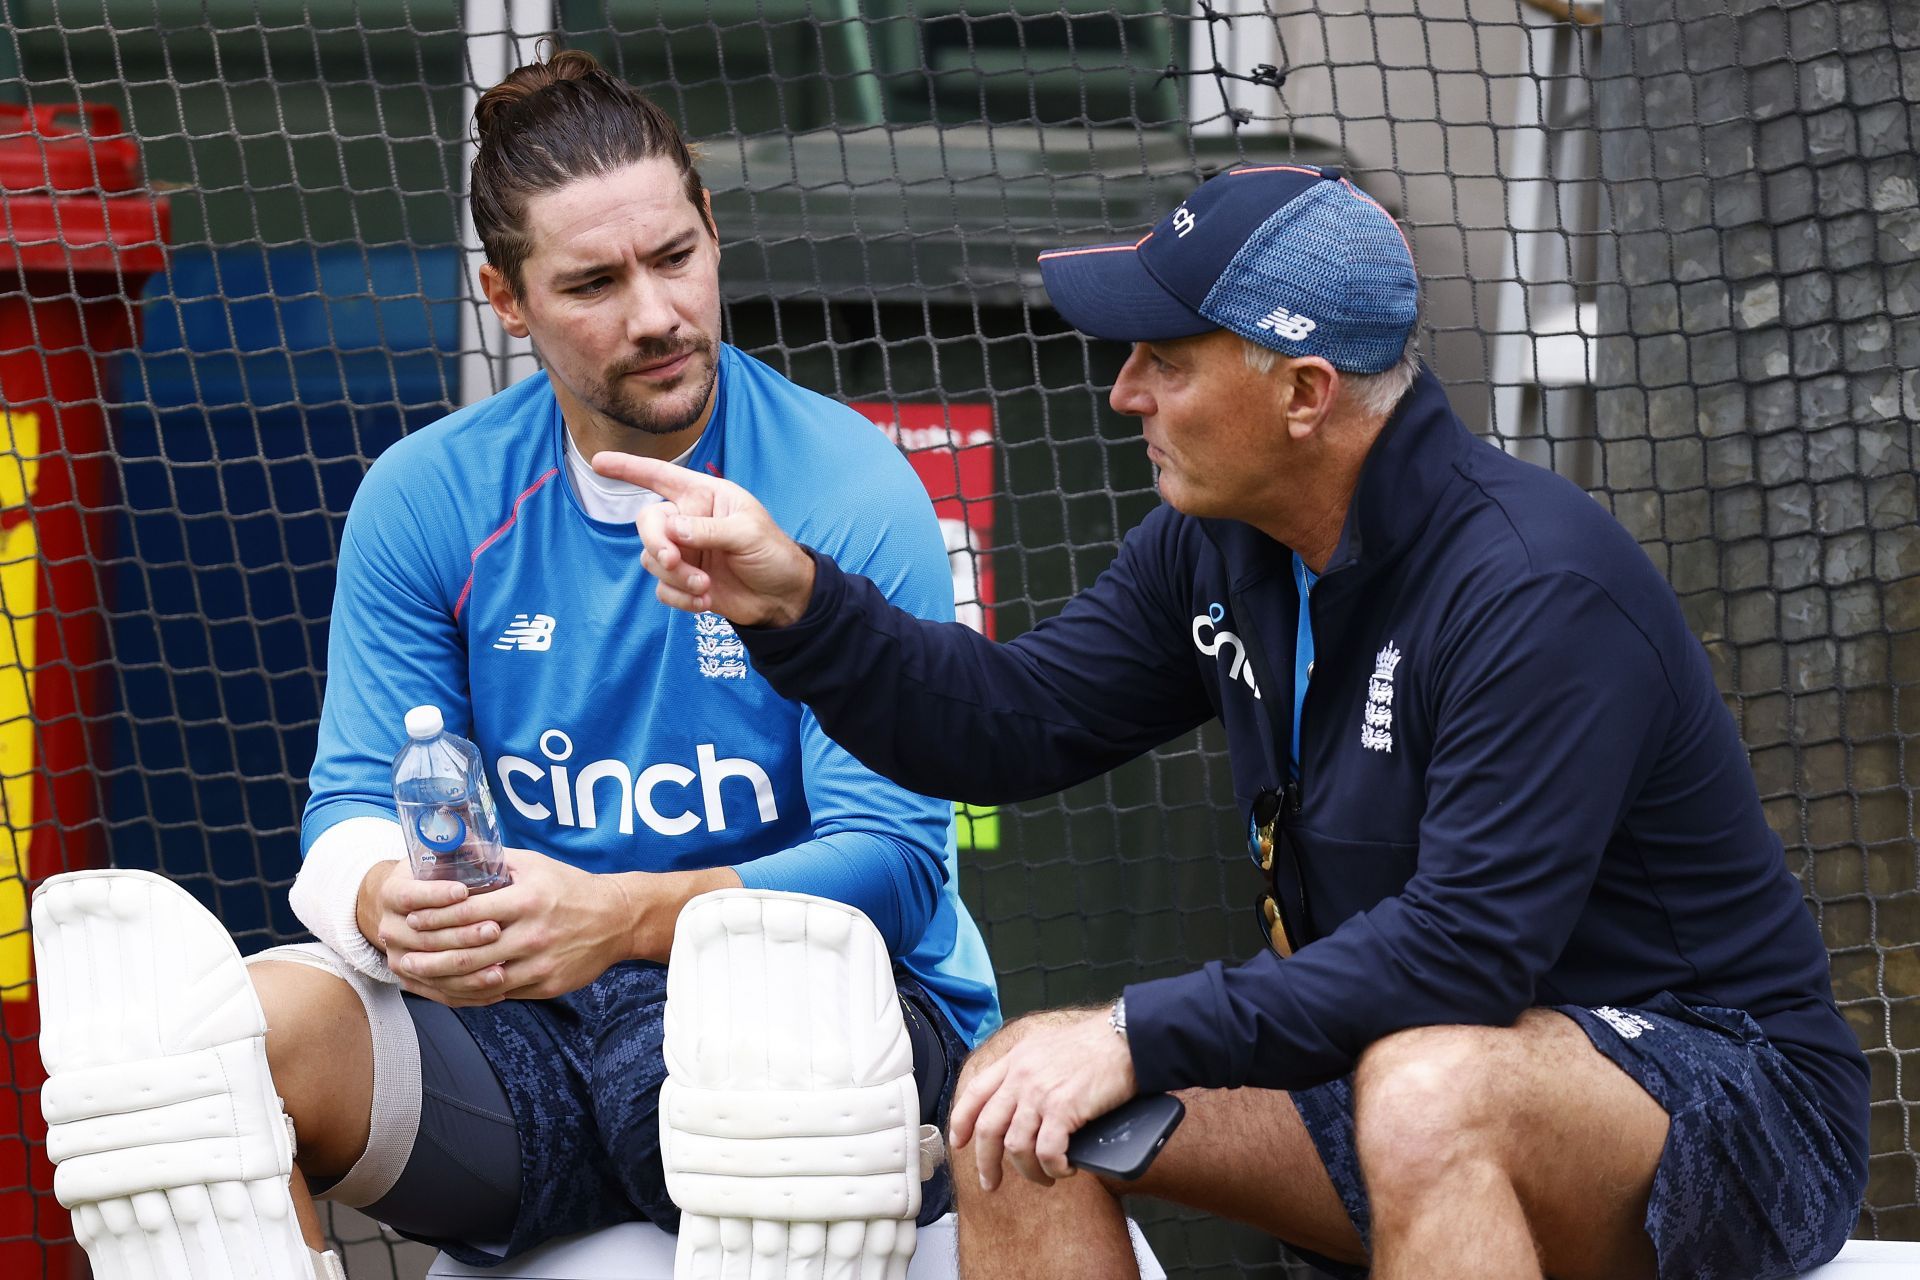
(1208, 639)
(661, 794)
(1285, 323)
(533, 633)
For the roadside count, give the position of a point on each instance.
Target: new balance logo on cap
(530, 632)
(1287, 325)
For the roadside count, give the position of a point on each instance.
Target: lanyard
(1303, 580)
(1268, 843)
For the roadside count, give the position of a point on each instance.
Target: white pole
(501, 35)
(1529, 208)
(1249, 38)
(1543, 334)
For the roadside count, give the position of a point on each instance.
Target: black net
(1674, 255)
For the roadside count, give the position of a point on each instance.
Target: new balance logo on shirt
(1628, 1023)
(1292, 327)
(532, 632)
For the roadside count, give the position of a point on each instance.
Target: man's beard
(665, 413)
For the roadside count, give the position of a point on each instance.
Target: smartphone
(1124, 1141)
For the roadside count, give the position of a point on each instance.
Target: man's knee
(1430, 1100)
(966, 1188)
(1001, 1042)
(320, 1054)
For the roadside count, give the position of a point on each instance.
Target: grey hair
(1374, 394)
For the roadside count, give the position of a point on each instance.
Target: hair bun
(523, 83)
(553, 122)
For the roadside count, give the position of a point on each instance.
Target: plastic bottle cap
(424, 723)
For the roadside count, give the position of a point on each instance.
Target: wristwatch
(1117, 1017)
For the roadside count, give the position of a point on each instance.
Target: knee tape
(789, 1120)
(168, 1141)
(394, 1125)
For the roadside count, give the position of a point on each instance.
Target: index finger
(510, 902)
(403, 893)
(468, 911)
(967, 1106)
(670, 480)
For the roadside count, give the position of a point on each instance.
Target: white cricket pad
(789, 1120)
(169, 1144)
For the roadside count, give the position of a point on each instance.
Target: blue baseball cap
(1290, 257)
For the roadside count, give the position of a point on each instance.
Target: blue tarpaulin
(265, 382)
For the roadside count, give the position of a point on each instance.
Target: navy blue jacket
(1517, 783)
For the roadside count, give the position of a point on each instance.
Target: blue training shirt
(1303, 580)
(620, 734)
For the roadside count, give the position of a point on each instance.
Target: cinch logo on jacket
(661, 794)
(1210, 640)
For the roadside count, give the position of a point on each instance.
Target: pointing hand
(712, 547)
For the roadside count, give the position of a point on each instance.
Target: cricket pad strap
(790, 1103)
(169, 1143)
(151, 1125)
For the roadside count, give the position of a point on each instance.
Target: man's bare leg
(1505, 1151)
(1074, 1228)
(1241, 1154)
(1464, 1136)
(320, 1053)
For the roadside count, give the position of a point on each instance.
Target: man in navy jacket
(1541, 995)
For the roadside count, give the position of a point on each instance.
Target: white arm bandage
(326, 892)
(789, 1121)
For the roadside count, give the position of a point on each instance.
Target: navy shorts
(1752, 1184)
(540, 1118)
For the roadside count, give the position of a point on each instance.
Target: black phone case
(1124, 1141)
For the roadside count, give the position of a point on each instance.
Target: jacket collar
(1401, 481)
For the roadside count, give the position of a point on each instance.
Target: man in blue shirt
(636, 761)
(1539, 994)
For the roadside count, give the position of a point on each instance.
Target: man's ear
(493, 283)
(1314, 384)
(706, 211)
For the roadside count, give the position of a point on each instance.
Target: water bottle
(446, 809)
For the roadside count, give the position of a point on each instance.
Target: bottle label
(441, 830)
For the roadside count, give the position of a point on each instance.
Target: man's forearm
(653, 902)
(326, 895)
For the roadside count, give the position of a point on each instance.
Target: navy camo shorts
(581, 1079)
(1752, 1185)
